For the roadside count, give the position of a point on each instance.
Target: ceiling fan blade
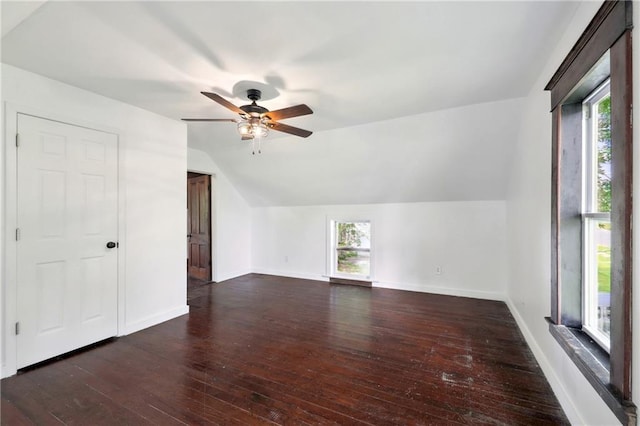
(209, 119)
(294, 111)
(246, 138)
(290, 129)
(222, 101)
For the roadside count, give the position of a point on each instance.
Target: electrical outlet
(438, 270)
(286, 259)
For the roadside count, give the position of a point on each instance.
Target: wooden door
(67, 276)
(199, 226)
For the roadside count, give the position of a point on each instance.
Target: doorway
(199, 262)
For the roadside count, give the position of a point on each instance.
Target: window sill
(593, 362)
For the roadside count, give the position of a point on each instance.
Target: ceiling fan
(255, 121)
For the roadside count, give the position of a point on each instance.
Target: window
(596, 218)
(351, 249)
(591, 205)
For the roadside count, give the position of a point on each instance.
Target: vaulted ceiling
(413, 101)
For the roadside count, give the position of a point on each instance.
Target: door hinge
(17, 234)
(17, 328)
(17, 140)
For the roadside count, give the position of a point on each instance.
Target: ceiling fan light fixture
(253, 128)
(260, 130)
(244, 128)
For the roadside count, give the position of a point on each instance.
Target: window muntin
(351, 249)
(596, 279)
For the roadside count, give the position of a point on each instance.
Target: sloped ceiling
(413, 101)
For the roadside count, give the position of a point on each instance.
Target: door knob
(111, 244)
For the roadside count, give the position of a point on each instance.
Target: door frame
(210, 189)
(213, 216)
(8, 213)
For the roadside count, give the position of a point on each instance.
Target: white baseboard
(155, 319)
(572, 413)
(232, 275)
(8, 372)
(290, 274)
(476, 294)
(461, 292)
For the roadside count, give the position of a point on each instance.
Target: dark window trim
(621, 213)
(593, 362)
(609, 32)
(609, 23)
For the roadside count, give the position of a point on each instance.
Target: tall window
(351, 254)
(591, 208)
(596, 278)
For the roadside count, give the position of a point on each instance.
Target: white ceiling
(369, 70)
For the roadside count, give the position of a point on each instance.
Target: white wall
(466, 239)
(152, 199)
(528, 218)
(231, 221)
(425, 157)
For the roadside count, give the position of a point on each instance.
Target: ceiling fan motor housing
(254, 109)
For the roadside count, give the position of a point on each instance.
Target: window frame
(591, 215)
(607, 37)
(589, 278)
(332, 255)
(590, 195)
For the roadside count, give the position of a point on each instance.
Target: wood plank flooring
(270, 350)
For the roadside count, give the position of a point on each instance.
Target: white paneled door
(67, 216)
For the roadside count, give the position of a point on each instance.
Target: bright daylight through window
(352, 249)
(596, 215)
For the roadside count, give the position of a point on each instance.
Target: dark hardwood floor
(260, 349)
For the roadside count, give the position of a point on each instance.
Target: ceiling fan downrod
(254, 95)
